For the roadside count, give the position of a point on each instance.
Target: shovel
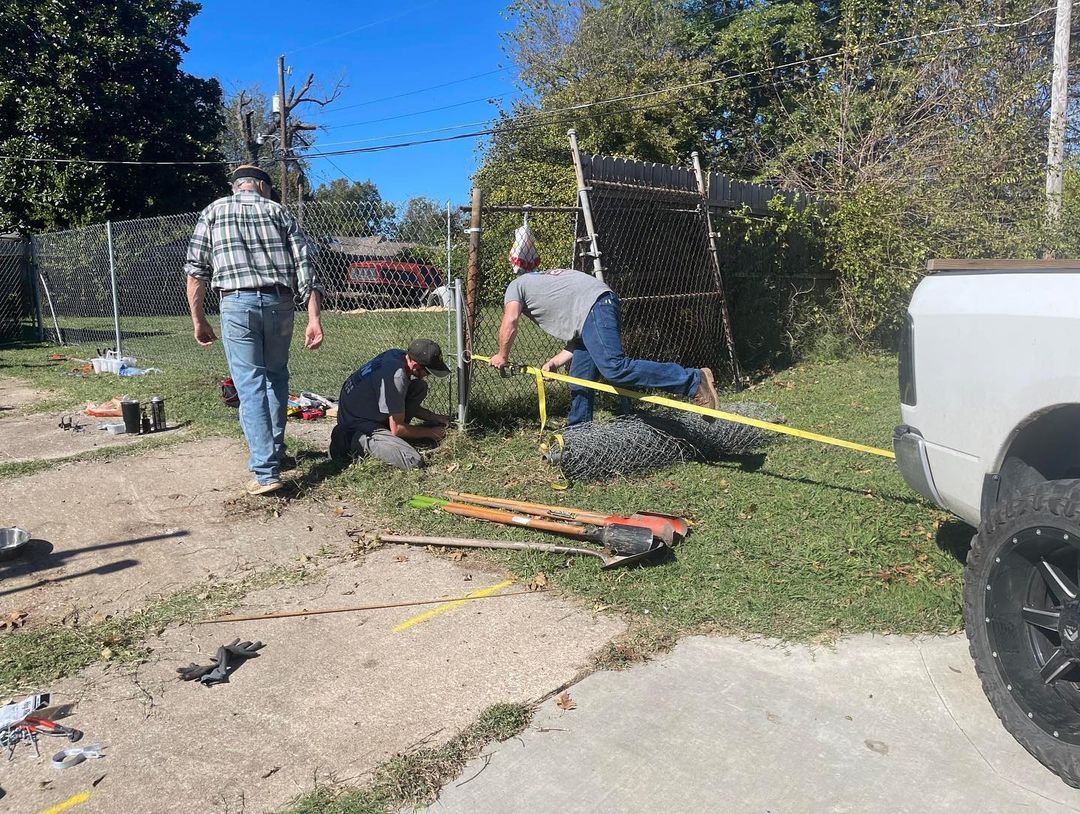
(621, 540)
(664, 526)
(546, 548)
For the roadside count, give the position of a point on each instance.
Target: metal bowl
(12, 539)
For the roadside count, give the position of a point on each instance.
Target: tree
(577, 54)
(424, 221)
(298, 134)
(919, 127)
(102, 81)
(352, 208)
(248, 123)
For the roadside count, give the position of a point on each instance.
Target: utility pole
(282, 116)
(1059, 99)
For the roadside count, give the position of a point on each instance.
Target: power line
(414, 113)
(424, 90)
(371, 24)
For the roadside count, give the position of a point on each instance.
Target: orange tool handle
(511, 519)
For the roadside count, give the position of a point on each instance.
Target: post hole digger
(619, 539)
(666, 527)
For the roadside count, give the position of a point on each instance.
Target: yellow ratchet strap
(541, 396)
(690, 408)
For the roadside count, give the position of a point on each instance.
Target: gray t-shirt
(558, 300)
(373, 393)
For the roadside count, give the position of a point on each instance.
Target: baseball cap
(251, 171)
(429, 354)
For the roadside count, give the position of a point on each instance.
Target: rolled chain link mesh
(386, 269)
(649, 440)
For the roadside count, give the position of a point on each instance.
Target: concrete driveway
(875, 724)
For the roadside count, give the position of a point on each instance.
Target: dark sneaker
(706, 395)
(256, 488)
(339, 447)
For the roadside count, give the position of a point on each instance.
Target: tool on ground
(668, 528)
(68, 422)
(545, 548)
(291, 614)
(220, 667)
(621, 540)
(66, 758)
(43, 726)
(27, 731)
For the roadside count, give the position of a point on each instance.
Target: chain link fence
(387, 271)
(697, 274)
(17, 316)
(706, 279)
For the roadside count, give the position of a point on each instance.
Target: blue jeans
(601, 354)
(256, 330)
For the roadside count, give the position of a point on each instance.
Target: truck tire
(1022, 615)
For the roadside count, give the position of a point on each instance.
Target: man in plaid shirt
(251, 250)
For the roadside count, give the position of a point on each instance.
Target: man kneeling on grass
(379, 401)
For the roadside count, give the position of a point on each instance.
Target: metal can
(157, 413)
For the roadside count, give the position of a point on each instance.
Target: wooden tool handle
(541, 509)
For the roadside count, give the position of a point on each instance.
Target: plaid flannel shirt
(247, 241)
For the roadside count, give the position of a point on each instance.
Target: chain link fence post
(112, 281)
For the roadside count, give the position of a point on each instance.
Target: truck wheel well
(1043, 449)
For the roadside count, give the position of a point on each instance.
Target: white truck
(989, 376)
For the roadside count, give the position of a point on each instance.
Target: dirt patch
(313, 433)
(39, 436)
(110, 533)
(331, 696)
(15, 395)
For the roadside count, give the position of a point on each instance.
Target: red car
(390, 284)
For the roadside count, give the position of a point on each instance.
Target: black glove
(245, 650)
(194, 671)
(220, 673)
(219, 669)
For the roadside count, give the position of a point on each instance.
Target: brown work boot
(255, 488)
(706, 394)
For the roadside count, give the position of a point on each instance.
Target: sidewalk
(876, 724)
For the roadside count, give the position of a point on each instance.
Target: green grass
(806, 541)
(32, 657)
(167, 343)
(413, 778)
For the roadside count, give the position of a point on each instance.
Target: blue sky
(383, 49)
